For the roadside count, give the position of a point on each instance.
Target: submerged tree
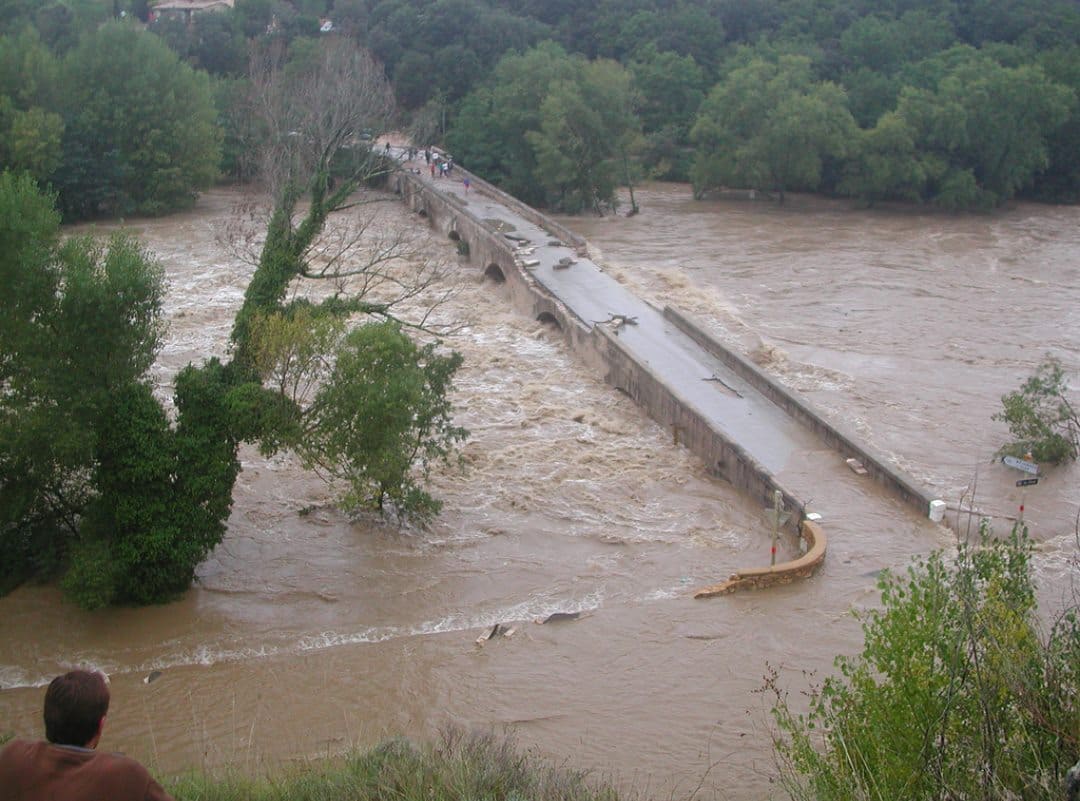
(318, 111)
(588, 131)
(1040, 417)
(769, 126)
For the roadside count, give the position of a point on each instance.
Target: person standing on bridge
(65, 765)
(465, 182)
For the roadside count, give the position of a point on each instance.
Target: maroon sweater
(45, 772)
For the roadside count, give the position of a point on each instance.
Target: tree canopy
(452, 67)
(770, 126)
(96, 484)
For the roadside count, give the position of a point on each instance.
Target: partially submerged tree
(588, 131)
(319, 111)
(769, 126)
(1040, 417)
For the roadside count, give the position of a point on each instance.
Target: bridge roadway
(798, 458)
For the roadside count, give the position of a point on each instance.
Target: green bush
(954, 696)
(1040, 417)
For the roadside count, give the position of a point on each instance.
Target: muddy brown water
(308, 632)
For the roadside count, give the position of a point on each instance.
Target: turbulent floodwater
(905, 326)
(308, 632)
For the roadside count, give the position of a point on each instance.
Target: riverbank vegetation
(459, 767)
(964, 104)
(103, 487)
(959, 691)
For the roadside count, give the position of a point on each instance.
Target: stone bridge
(745, 425)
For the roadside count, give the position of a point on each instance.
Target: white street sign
(1020, 464)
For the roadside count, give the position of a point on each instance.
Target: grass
(460, 767)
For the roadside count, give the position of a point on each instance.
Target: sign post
(1029, 467)
(779, 517)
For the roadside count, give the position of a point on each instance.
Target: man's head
(75, 705)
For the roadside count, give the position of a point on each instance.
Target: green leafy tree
(989, 124)
(883, 163)
(382, 419)
(588, 129)
(82, 322)
(955, 693)
(33, 142)
(147, 118)
(489, 131)
(770, 126)
(96, 485)
(162, 495)
(550, 128)
(1042, 421)
(1060, 179)
(671, 89)
(30, 133)
(301, 379)
(886, 44)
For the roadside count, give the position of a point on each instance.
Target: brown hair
(75, 703)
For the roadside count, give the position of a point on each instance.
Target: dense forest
(962, 105)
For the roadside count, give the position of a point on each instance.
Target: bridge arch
(453, 235)
(547, 318)
(495, 273)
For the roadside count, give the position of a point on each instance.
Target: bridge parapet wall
(488, 247)
(722, 456)
(528, 212)
(891, 478)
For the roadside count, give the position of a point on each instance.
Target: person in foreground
(67, 766)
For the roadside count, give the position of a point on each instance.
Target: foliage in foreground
(1040, 417)
(97, 486)
(459, 768)
(954, 696)
(103, 489)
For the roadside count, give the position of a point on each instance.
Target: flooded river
(308, 632)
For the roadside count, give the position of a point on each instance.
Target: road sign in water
(1020, 464)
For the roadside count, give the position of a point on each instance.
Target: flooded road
(308, 632)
